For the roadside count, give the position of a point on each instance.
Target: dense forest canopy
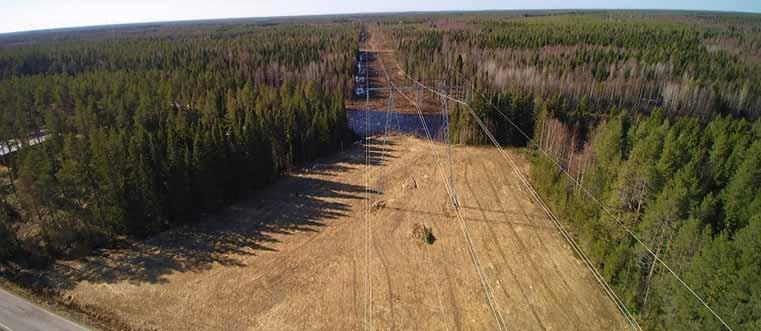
(654, 113)
(148, 129)
(689, 190)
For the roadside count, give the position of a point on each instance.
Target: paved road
(17, 314)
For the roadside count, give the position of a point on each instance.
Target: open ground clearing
(293, 256)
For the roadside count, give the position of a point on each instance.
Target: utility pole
(448, 141)
(367, 96)
(417, 102)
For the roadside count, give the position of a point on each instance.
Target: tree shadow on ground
(295, 203)
(380, 152)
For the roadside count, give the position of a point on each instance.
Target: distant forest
(654, 113)
(148, 127)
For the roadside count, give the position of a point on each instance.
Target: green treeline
(146, 132)
(691, 190)
(654, 113)
(518, 108)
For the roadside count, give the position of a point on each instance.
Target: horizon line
(190, 20)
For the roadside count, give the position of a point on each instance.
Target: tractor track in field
(503, 256)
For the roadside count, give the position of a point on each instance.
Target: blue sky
(21, 15)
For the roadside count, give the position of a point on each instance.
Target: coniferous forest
(147, 127)
(654, 113)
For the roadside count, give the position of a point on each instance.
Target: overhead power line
(600, 279)
(585, 190)
(615, 218)
(368, 229)
(469, 242)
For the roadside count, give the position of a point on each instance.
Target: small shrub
(8, 242)
(378, 205)
(71, 238)
(423, 233)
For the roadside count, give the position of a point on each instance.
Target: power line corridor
(447, 180)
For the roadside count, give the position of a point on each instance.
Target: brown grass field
(295, 256)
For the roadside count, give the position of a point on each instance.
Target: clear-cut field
(293, 256)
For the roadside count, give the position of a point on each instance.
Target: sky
(23, 15)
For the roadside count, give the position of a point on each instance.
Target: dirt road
(294, 256)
